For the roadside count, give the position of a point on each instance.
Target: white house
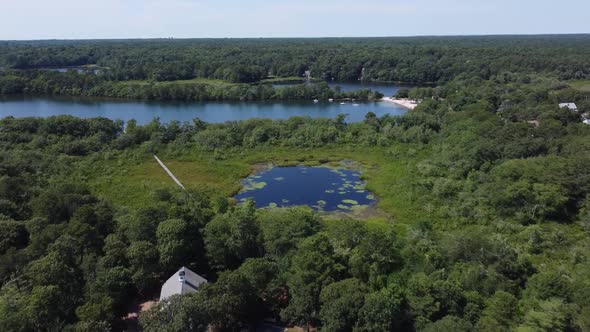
(571, 106)
(184, 281)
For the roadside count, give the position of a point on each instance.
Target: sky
(84, 19)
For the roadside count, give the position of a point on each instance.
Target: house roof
(571, 106)
(182, 282)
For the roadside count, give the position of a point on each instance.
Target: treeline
(90, 85)
(412, 60)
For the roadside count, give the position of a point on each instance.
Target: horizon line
(314, 37)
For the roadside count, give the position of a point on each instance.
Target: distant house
(586, 121)
(571, 106)
(307, 74)
(184, 281)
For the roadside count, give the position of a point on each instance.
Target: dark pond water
(322, 188)
(214, 112)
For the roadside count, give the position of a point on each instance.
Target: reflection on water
(322, 188)
(214, 112)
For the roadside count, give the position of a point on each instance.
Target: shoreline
(407, 103)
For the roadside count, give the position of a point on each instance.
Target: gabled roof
(182, 282)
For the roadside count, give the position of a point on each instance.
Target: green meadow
(130, 180)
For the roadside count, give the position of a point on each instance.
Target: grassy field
(215, 82)
(130, 183)
(580, 85)
(191, 81)
(291, 79)
(389, 173)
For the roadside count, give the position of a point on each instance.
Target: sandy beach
(407, 103)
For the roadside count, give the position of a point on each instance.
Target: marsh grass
(390, 173)
(581, 85)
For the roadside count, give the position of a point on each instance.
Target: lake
(322, 188)
(214, 112)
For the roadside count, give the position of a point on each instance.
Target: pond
(323, 188)
(213, 112)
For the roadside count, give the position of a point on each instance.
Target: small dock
(169, 172)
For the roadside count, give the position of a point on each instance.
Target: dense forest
(414, 60)
(73, 83)
(137, 68)
(485, 187)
